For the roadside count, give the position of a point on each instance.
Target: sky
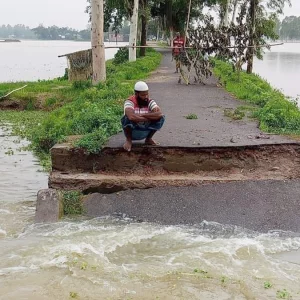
(63, 13)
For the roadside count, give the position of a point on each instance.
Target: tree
(258, 14)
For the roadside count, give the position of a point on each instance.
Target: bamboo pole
(13, 91)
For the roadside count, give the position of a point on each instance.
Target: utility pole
(133, 31)
(97, 40)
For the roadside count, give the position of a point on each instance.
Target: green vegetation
(240, 112)
(283, 294)
(43, 94)
(267, 285)
(191, 117)
(75, 109)
(72, 202)
(276, 113)
(73, 295)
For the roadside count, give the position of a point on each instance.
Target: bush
(121, 56)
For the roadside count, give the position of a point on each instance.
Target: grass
(78, 108)
(191, 117)
(275, 112)
(72, 202)
(240, 112)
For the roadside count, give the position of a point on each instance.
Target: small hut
(80, 65)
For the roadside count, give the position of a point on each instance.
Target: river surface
(33, 60)
(109, 258)
(281, 67)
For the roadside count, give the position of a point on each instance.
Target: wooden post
(133, 31)
(97, 40)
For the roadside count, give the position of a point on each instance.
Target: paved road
(255, 205)
(208, 102)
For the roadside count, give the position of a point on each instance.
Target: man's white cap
(141, 86)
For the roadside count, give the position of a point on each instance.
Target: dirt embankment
(114, 169)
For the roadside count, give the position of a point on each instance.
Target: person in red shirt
(142, 117)
(178, 45)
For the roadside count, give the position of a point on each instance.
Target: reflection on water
(109, 258)
(280, 67)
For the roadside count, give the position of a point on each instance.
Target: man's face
(143, 95)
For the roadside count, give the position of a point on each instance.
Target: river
(110, 258)
(280, 67)
(33, 60)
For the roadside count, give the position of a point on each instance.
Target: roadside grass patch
(39, 92)
(191, 117)
(234, 114)
(276, 113)
(72, 202)
(267, 285)
(283, 294)
(77, 109)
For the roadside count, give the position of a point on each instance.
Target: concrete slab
(49, 206)
(255, 205)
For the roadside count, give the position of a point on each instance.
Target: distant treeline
(290, 28)
(43, 33)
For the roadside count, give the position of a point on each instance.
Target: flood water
(108, 258)
(281, 67)
(33, 60)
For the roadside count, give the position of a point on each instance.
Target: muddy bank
(114, 169)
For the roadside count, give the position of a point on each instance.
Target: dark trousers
(140, 131)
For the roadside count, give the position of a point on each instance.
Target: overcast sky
(69, 13)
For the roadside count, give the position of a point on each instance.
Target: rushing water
(108, 258)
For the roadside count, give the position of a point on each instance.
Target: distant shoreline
(9, 41)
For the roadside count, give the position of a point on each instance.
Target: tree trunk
(144, 35)
(226, 13)
(133, 31)
(187, 22)
(158, 32)
(169, 19)
(97, 41)
(253, 8)
(235, 6)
